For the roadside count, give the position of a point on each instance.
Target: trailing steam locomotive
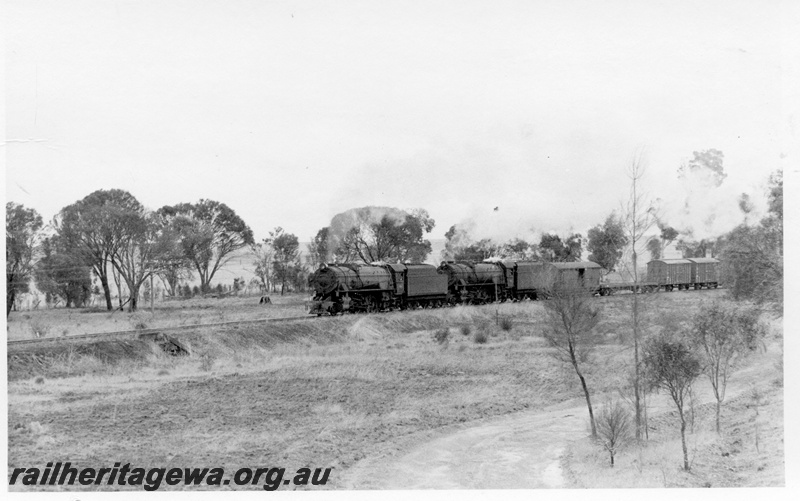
(380, 286)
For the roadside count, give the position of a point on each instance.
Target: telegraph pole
(152, 293)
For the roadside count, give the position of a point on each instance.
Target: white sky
(291, 112)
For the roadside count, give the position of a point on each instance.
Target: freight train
(381, 286)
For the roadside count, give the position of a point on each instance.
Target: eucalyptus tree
(22, 231)
(149, 247)
(95, 228)
(209, 233)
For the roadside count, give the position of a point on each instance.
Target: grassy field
(58, 322)
(329, 392)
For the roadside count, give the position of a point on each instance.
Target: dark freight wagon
(705, 272)
(670, 273)
(584, 274)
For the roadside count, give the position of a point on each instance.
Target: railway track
(138, 333)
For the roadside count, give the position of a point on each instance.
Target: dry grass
(68, 322)
(748, 453)
(356, 384)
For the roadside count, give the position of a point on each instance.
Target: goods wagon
(584, 274)
(670, 273)
(529, 279)
(705, 272)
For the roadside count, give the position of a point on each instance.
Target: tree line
(110, 235)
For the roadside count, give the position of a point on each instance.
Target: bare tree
(614, 427)
(722, 335)
(671, 366)
(571, 318)
(639, 217)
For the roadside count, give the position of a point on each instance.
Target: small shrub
(39, 328)
(462, 347)
(506, 323)
(480, 337)
(442, 336)
(137, 323)
(39, 380)
(614, 427)
(466, 330)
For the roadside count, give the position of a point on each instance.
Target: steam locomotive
(381, 286)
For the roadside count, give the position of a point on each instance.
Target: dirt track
(518, 451)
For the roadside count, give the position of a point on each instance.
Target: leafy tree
(554, 249)
(478, 251)
(62, 274)
(654, 247)
(745, 205)
(606, 242)
(173, 273)
(381, 234)
(150, 245)
(317, 250)
(671, 366)
(95, 227)
(668, 234)
(285, 265)
(264, 254)
(176, 267)
(210, 232)
(22, 233)
(775, 195)
(690, 248)
(752, 256)
(519, 249)
(460, 247)
(722, 335)
(571, 318)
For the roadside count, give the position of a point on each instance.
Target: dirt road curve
(519, 451)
